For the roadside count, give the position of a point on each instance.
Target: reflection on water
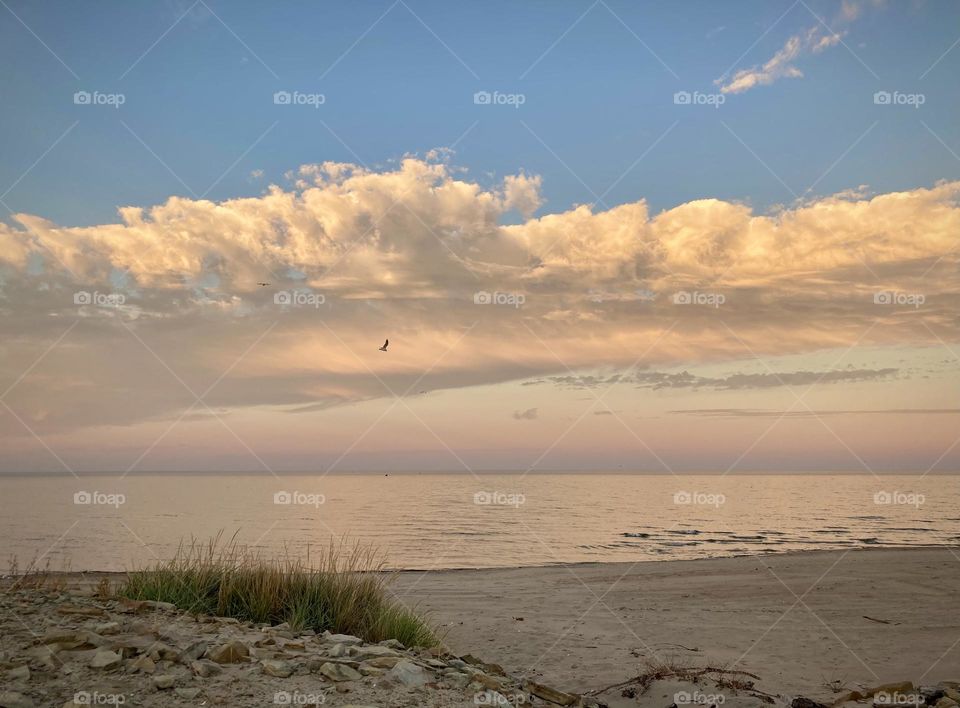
(457, 520)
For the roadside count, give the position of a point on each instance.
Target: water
(434, 520)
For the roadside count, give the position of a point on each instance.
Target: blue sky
(594, 103)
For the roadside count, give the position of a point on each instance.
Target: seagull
(384, 347)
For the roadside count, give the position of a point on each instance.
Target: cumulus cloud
(166, 303)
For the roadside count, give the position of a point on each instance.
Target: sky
(651, 236)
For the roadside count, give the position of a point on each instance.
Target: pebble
(339, 672)
(278, 668)
(164, 681)
(407, 673)
(229, 653)
(105, 659)
(204, 668)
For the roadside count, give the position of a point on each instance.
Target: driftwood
(656, 673)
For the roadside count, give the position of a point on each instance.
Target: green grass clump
(346, 592)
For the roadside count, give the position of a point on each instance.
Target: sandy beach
(799, 621)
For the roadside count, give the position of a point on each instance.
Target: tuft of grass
(344, 591)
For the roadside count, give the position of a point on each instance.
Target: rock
(372, 652)
(205, 668)
(548, 694)
(277, 667)
(59, 636)
(164, 681)
(187, 693)
(848, 696)
(194, 652)
(347, 639)
(457, 679)
(804, 702)
(338, 650)
(391, 644)
(407, 673)
(946, 702)
(229, 653)
(162, 606)
(931, 694)
(12, 699)
(368, 670)
(107, 628)
(20, 673)
(105, 659)
(77, 610)
(890, 688)
(952, 693)
(143, 664)
(383, 662)
(491, 682)
(339, 672)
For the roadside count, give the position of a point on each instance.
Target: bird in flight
(385, 344)
(263, 285)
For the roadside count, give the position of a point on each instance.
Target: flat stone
(194, 652)
(347, 639)
(107, 628)
(105, 659)
(338, 650)
(391, 643)
(229, 653)
(277, 667)
(383, 662)
(77, 610)
(205, 668)
(549, 694)
(187, 693)
(372, 651)
(20, 673)
(12, 699)
(143, 664)
(407, 673)
(164, 681)
(339, 672)
(162, 606)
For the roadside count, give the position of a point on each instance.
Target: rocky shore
(72, 649)
(75, 648)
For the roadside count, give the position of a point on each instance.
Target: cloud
(529, 414)
(657, 380)
(404, 253)
(782, 65)
(764, 413)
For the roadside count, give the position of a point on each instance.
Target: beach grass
(343, 589)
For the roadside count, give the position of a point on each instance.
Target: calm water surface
(456, 520)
